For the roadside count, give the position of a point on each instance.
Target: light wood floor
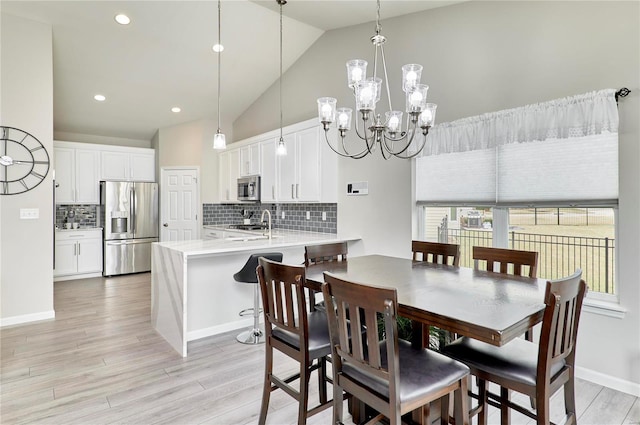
(100, 362)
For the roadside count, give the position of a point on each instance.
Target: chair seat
(516, 361)
(319, 340)
(421, 372)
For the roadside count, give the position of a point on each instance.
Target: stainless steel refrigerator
(129, 216)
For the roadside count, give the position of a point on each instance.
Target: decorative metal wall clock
(24, 161)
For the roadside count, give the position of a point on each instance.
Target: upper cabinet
(76, 175)
(229, 171)
(128, 165)
(250, 160)
(79, 167)
(307, 173)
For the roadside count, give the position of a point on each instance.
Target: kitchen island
(193, 294)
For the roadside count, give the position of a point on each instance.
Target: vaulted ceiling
(164, 58)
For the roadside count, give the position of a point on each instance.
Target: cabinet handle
(293, 193)
(227, 194)
(297, 191)
(273, 191)
(78, 249)
(75, 246)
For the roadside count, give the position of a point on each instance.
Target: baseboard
(27, 318)
(76, 276)
(608, 381)
(220, 329)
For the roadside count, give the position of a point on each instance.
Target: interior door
(179, 204)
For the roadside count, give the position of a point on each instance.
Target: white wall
(26, 263)
(191, 144)
(101, 140)
(481, 57)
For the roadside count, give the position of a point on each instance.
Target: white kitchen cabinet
(127, 166)
(77, 180)
(268, 166)
(308, 173)
(250, 160)
(299, 170)
(229, 165)
(78, 252)
(143, 167)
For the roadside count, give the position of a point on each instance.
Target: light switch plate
(29, 213)
(358, 188)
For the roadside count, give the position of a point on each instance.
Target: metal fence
(561, 216)
(559, 255)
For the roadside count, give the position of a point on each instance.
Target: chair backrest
(505, 257)
(248, 272)
(314, 254)
(356, 305)
(440, 253)
(563, 299)
(284, 298)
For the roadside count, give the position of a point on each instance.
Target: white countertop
(280, 238)
(79, 229)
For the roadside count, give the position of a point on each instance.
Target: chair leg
(444, 409)
(483, 414)
(322, 379)
(337, 403)
(570, 397)
(505, 411)
(305, 375)
(266, 390)
(542, 413)
(461, 403)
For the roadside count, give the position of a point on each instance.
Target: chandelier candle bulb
(344, 118)
(411, 74)
(428, 115)
(327, 109)
(356, 71)
(394, 118)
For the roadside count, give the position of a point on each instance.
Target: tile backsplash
(295, 215)
(84, 215)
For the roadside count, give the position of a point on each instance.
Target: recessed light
(100, 98)
(122, 19)
(175, 109)
(218, 48)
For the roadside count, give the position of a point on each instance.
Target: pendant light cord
(219, 44)
(281, 2)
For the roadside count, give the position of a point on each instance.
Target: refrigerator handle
(132, 211)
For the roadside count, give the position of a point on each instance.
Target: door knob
(166, 224)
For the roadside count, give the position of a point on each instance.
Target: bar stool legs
(254, 335)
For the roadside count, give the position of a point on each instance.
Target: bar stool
(248, 275)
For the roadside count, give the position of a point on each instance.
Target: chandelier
(389, 134)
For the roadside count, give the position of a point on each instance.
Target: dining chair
(536, 370)
(439, 253)
(314, 254)
(384, 372)
(295, 328)
(505, 257)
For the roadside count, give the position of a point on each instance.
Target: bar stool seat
(248, 275)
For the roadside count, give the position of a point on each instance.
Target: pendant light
(281, 149)
(219, 141)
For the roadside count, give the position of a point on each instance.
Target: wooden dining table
(487, 306)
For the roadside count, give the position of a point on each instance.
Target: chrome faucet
(262, 220)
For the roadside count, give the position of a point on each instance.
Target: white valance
(575, 116)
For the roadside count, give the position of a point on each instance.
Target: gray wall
(26, 247)
(481, 57)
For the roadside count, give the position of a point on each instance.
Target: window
(542, 177)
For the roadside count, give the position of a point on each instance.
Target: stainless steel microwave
(249, 188)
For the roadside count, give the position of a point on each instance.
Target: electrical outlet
(308, 215)
(324, 216)
(282, 214)
(29, 213)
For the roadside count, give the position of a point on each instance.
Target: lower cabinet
(78, 252)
